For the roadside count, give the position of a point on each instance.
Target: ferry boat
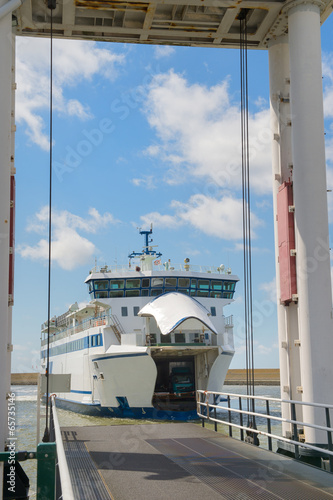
(152, 334)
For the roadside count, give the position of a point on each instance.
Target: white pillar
(279, 76)
(311, 216)
(5, 142)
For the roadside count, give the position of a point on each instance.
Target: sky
(143, 134)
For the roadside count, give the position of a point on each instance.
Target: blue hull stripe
(96, 410)
(81, 392)
(121, 356)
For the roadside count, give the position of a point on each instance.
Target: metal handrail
(252, 430)
(264, 398)
(65, 480)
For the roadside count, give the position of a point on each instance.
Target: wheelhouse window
(183, 282)
(101, 284)
(116, 284)
(203, 285)
(116, 293)
(156, 291)
(132, 293)
(145, 282)
(229, 286)
(101, 295)
(133, 283)
(216, 285)
(90, 286)
(170, 282)
(157, 282)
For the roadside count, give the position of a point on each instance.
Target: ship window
(132, 293)
(202, 293)
(116, 284)
(229, 285)
(213, 311)
(93, 340)
(144, 293)
(145, 282)
(133, 283)
(170, 282)
(136, 309)
(99, 339)
(193, 283)
(166, 339)
(193, 292)
(101, 295)
(90, 286)
(180, 338)
(184, 291)
(116, 293)
(101, 285)
(215, 295)
(156, 292)
(216, 285)
(124, 311)
(183, 282)
(157, 282)
(227, 295)
(203, 284)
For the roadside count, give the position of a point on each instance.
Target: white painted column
(279, 75)
(311, 217)
(5, 138)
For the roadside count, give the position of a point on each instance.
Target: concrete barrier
(262, 376)
(24, 378)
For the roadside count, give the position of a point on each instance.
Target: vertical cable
(46, 437)
(246, 205)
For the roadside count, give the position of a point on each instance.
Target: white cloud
(216, 217)
(199, 133)
(146, 181)
(73, 61)
(270, 289)
(69, 248)
(163, 51)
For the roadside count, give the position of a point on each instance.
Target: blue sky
(142, 134)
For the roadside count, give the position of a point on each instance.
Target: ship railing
(102, 320)
(164, 267)
(64, 485)
(229, 321)
(228, 409)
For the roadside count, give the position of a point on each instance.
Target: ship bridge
(201, 23)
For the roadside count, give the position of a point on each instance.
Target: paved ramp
(176, 461)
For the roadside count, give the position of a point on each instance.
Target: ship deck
(163, 461)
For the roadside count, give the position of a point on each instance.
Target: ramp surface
(163, 461)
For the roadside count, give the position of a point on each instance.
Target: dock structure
(182, 460)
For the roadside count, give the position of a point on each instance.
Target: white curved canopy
(173, 309)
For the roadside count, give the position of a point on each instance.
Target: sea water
(26, 420)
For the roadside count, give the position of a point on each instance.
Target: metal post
(269, 428)
(329, 436)
(311, 214)
(241, 419)
(229, 417)
(295, 432)
(215, 423)
(46, 468)
(5, 148)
